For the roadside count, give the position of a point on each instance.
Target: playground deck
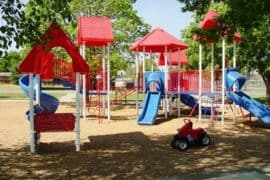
(122, 149)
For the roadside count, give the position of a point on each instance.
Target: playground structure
(234, 84)
(154, 89)
(93, 32)
(38, 64)
(97, 32)
(91, 85)
(162, 87)
(176, 83)
(157, 41)
(186, 83)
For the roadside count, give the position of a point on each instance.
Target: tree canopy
(25, 23)
(10, 26)
(251, 19)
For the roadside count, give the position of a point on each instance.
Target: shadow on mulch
(135, 155)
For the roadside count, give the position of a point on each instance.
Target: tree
(10, 15)
(37, 16)
(117, 63)
(26, 23)
(255, 51)
(23, 24)
(252, 20)
(9, 63)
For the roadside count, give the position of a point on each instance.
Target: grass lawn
(130, 97)
(261, 99)
(14, 92)
(12, 96)
(21, 96)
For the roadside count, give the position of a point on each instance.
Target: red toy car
(187, 136)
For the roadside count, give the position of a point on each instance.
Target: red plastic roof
(196, 37)
(95, 31)
(60, 39)
(53, 37)
(29, 65)
(156, 41)
(47, 66)
(173, 58)
(237, 37)
(209, 21)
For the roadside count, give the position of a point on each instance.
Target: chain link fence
(254, 85)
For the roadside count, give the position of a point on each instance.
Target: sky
(165, 14)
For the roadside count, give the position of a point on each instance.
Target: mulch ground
(122, 149)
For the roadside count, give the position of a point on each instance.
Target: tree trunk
(268, 93)
(266, 79)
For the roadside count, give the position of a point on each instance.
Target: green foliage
(130, 70)
(193, 46)
(117, 63)
(25, 25)
(240, 15)
(9, 63)
(9, 59)
(61, 53)
(251, 19)
(40, 14)
(220, 7)
(149, 63)
(11, 13)
(193, 50)
(4, 64)
(255, 47)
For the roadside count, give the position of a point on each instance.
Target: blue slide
(190, 101)
(152, 99)
(48, 103)
(150, 108)
(243, 100)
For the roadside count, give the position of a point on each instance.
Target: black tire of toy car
(181, 142)
(173, 143)
(204, 135)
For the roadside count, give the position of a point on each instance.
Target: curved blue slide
(48, 103)
(243, 100)
(190, 101)
(152, 99)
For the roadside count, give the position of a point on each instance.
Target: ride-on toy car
(187, 136)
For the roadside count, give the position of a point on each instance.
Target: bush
(10, 63)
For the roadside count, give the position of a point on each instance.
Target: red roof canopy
(156, 41)
(196, 37)
(31, 61)
(173, 58)
(53, 37)
(95, 31)
(237, 37)
(209, 21)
